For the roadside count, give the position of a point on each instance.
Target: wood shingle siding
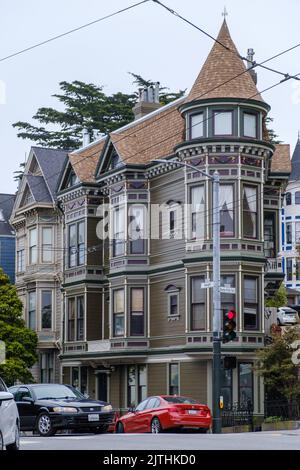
(94, 316)
(157, 379)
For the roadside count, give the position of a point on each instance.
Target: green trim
(224, 258)
(153, 271)
(239, 101)
(76, 283)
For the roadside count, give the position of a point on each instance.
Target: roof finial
(225, 13)
(298, 136)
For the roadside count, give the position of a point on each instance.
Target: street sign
(227, 290)
(207, 284)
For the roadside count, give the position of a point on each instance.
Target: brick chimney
(148, 101)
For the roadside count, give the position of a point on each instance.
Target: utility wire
(54, 38)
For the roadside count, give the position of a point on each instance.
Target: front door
(102, 387)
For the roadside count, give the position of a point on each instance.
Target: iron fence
(282, 410)
(238, 415)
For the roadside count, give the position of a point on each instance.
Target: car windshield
(289, 310)
(46, 392)
(183, 400)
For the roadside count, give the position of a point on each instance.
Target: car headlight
(65, 409)
(107, 408)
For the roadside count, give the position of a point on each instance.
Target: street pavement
(277, 440)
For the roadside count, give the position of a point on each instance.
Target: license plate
(93, 417)
(193, 412)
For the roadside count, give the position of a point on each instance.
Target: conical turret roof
(221, 66)
(295, 173)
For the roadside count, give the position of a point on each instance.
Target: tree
(272, 134)
(20, 342)
(85, 106)
(275, 365)
(279, 299)
(165, 96)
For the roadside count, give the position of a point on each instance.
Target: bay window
(118, 312)
(289, 269)
(196, 125)
(226, 210)
(289, 232)
(20, 261)
(297, 232)
(32, 310)
(198, 296)
(118, 231)
(137, 229)
(80, 319)
(46, 309)
(222, 122)
(47, 244)
(250, 303)
(250, 125)
(47, 367)
(76, 316)
(197, 212)
(250, 212)
(76, 244)
(71, 320)
(33, 246)
(137, 318)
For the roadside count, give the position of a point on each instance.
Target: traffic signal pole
(216, 382)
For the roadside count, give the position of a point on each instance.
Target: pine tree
(20, 342)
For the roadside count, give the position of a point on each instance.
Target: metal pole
(216, 385)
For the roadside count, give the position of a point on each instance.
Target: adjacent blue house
(7, 236)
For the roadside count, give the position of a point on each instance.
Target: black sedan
(47, 408)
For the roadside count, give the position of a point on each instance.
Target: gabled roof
(38, 188)
(51, 162)
(84, 161)
(281, 160)
(221, 66)
(295, 174)
(6, 207)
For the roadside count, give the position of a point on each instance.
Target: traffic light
(229, 333)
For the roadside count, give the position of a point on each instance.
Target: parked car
(47, 408)
(9, 420)
(159, 413)
(287, 316)
(297, 308)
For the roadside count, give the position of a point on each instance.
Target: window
(72, 245)
(142, 382)
(250, 125)
(47, 245)
(72, 180)
(172, 214)
(226, 387)
(196, 126)
(226, 210)
(289, 233)
(222, 123)
(250, 212)
(76, 314)
(21, 261)
(173, 305)
(137, 312)
(131, 386)
(137, 386)
(33, 246)
(46, 309)
(288, 199)
(174, 379)
(297, 232)
(227, 300)
(75, 377)
(71, 319)
(118, 312)
(80, 319)
(32, 310)
(46, 367)
(118, 231)
(297, 197)
(197, 212)
(289, 269)
(28, 199)
(198, 296)
(250, 303)
(78, 378)
(245, 385)
(297, 270)
(269, 235)
(80, 243)
(76, 244)
(136, 229)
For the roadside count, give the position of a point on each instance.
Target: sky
(146, 40)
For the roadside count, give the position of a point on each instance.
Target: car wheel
(15, 445)
(120, 428)
(155, 426)
(44, 426)
(1, 442)
(100, 430)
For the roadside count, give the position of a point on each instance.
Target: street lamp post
(216, 385)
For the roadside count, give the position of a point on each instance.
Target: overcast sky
(146, 40)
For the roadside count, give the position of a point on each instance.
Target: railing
(274, 265)
(238, 415)
(283, 410)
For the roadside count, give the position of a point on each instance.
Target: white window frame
(47, 249)
(33, 259)
(41, 312)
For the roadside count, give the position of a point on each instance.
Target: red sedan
(157, 414)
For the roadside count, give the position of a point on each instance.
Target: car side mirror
(28, 400)
(5, 396)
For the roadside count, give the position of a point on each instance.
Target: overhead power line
(86, 25)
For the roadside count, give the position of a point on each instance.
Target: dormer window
(250, 125)
(72, 180)
(196, 125)
(222, 122)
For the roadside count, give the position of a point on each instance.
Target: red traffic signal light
(230, 315)
(229, 326)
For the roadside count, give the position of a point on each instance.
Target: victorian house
(137, 320)
(7, 236)
(37, 221)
